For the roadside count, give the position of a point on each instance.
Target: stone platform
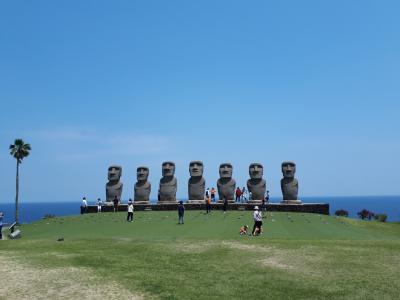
(317, 208)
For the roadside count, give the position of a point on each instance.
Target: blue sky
(95, 83)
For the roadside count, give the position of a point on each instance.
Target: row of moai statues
(226, 185)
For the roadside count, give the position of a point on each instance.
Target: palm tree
(18, 150)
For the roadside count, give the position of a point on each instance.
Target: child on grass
(243, 230)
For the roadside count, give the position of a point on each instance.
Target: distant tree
(381, 217)
(365, 214)
(19, 150)
(342, 213)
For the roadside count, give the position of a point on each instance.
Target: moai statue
(197, 183)
(289, 184)
(168, 183)
(256, 184)
(226, 184)
(114, 186)
(142, 186)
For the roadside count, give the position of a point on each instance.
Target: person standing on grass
(83, 206)
(263, 205)
(115, 201)
(1, 224)
(238, 194)
(257, 216)
(213, 193)
(129, 218)
(208, 203)
(181, 212)
(225, 205)
(99, 205)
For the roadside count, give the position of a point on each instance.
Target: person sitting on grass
(243, 230)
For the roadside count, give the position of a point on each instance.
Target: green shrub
(342, 213)
(381, 217)
(48, 216)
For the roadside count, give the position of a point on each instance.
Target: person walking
(208, 204)
(83, 206)
(115, 201)
(129, 218)
(1, 224)
(213, 193)
(181, 212)
(238, 194)
(99, 205)
(225, 205)
(257, 217)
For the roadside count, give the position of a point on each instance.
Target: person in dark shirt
(115, 204)
(181, 212)
(1, 224)
(225, 205)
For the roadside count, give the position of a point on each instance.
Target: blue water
(389, 205)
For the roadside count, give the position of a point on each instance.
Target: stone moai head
(256, 171)
(225, 170)
(114, 173)
(168, 169)
(288, 169)
(142, 173)
(196, 168)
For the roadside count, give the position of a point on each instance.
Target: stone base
(291, 202)
(167, 202)
(255, 202)
(196, 201)
(141, 202)
(318, 208)
(229, 201)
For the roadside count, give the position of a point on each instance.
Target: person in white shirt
(99, 205)
(84, 206)
(129, 218)
(257, 216)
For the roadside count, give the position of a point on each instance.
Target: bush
(342, 213)
(48, 216)
(381, 217)
(365, 214)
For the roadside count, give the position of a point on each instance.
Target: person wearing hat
(257, 216)
(181, 212)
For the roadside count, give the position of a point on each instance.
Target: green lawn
(299, 256)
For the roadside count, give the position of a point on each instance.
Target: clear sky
(95, 83)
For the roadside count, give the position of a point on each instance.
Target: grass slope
(299, 256)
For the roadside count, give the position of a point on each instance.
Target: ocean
(389, 205)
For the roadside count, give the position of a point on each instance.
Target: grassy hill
(299, 256)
